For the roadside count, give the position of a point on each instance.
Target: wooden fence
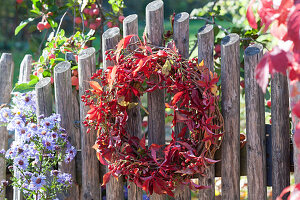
(86, 169)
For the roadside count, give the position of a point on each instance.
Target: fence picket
(280, 134)
(230, 87)
(6, 80)
(25, 69)
(110, 38)
(24, 77)
(181, 38)
(134, 122)
(205, 53)
(255, 126)
(44, 101)
(90, 164)
(63, 97)
(156, 99)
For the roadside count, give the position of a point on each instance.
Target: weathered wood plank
(156, 99)
(134, 122)
(206, 46)
(255, 127)
(6, 80)
(280, 134)
(25, 69)
(90, 164)
(63, 97)
(205, 53)
(181, 39)
(110, 38)
(230, 87)
(44, 101)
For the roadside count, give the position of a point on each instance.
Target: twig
(60, 23)
(210, 22)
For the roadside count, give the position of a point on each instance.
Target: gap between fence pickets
(6, 80)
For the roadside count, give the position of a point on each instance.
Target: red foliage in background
(154, 168)
(284, 20)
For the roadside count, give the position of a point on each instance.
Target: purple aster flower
(70, 154)
(5, 114)
(48, 143)
(2, 152)
(64, 178)
(21, 162)
(15, 124)
(37, 182)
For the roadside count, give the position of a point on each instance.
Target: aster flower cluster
(40, 145)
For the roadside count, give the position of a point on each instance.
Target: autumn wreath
(194, 102)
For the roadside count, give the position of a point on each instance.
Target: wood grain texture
(206, 46)
(181, 38)
(6, 80)
(90, 164)
(181, 33)
(280, 134)
(44, 101)
(230, 87)
(255, 126)
(110, 39)
(25, 69)
(156, 99)
(134, 122)
(63, 97)
(205, 52)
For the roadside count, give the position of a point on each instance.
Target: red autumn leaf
(182, 132)
(141, 64)
(101, 159)
(106, 178)
(198, 187)
(296, 109)
(250, 15)
(211, 161)
(262, 73)
(162, 53)
(293, 26)
(142, 142)
(154, 148)
(112, 77)
(96, 86)
(127, 40)
(177, 97)
(278, 60)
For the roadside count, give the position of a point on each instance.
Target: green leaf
(59, 59)
(46, 73)
(75, 67)
(26, 87)
(22, 25)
